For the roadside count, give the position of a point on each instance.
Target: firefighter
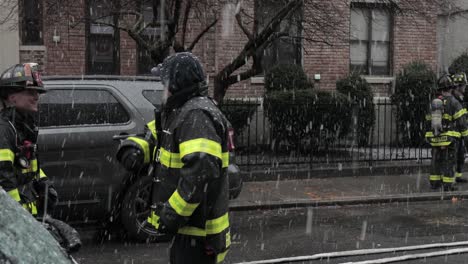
(460, 83)
(190, 193)
(20, 172)
(446, 122)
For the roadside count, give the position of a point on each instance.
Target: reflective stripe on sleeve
(144, 146)
(217, 225)
(182, 207)
(15, 194)
(7, 155)
(200, 145)
(459, 113)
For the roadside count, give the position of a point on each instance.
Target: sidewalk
(329, 190)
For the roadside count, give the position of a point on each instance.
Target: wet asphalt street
(283, 233)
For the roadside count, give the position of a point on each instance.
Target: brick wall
(331, 59)
(414, 38)
(67, 57)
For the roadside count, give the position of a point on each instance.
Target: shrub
(239, 112)
(413, 90)
(360, 94)
(285, 77)
(306, 119)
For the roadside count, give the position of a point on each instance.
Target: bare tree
(322, 22)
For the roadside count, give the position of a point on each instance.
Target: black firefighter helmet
(20, 77)
(445, 83)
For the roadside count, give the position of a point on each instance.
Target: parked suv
(78, 118)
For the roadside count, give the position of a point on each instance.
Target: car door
(76, 146)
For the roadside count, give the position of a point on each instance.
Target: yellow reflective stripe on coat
(435, 177)
(32, 167)
(459, 114)
(152, 127)
(153, 219)
(205, 146)
(220, 257)
(15, 194)
(31, 207)
(182, 207)
(447, 133)
(447, 116)
(192, 231)
(446, 179)
(464, 133)
(217, 225)
(170, 160)
(200, 145)
(7, 155)
(42, 174)
(145, 146)
(458, 174)
(440, 144)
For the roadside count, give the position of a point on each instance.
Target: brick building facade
(65, 49)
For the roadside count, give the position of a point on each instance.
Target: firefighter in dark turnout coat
(460, 82)
(20, 173)
(446, 123)
(191, 190)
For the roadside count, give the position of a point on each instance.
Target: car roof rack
(101, 77)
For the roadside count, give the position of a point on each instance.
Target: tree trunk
(220, 88)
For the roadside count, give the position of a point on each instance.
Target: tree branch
(188, 8)
(240, 23)
(200, 35)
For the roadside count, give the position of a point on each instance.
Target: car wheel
(135, 212)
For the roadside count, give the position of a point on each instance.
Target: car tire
(135, 211)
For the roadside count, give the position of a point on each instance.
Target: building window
(103, 40)
(150, 34)
(31, 22)
(370, 35)
(286, 49)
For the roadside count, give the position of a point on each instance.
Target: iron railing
(256, 147)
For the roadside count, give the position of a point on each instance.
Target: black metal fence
(257, 147)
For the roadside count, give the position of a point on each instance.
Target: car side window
(153, 96)
(70, 107)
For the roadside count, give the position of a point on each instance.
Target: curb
(364, 200)
(269, 174)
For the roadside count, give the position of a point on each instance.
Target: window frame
(115, 33)
(276, 44)
(147, 32)
(87, 88)
(368, 7)
(23, 24)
